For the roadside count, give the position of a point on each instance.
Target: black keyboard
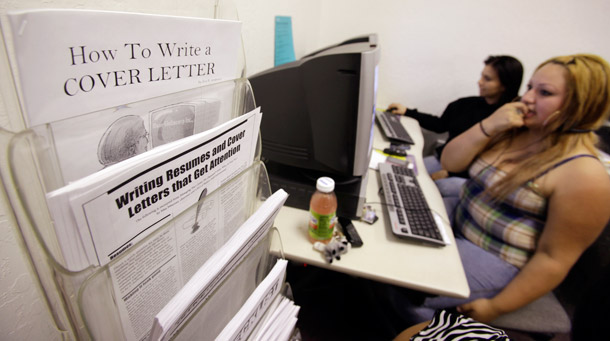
(410, 215)
(392, 127)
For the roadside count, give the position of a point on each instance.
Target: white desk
(383, 257)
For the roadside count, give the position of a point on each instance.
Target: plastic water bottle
(323, 211)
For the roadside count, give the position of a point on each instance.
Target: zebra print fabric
(453, 326)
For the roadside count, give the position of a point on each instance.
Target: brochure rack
(84, 303)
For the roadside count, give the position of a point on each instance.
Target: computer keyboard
(410, 215)
(392, 128)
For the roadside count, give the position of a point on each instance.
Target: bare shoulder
(578, 203)
(584, 171)
(584, 180)
(578, 208)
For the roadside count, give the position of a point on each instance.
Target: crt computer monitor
(319, 111)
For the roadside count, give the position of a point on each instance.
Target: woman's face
(490, 86)
(545, 95)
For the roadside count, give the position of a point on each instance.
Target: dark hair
(510, 72)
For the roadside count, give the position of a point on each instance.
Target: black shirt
(458, 117)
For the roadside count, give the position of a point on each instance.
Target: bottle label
(321, 226)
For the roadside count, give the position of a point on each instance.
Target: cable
(280, 240)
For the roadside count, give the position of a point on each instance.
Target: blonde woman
(538, 195)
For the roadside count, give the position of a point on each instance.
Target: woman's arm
(427, 121)
(459, 153)
(578, 212)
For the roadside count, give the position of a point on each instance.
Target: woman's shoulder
(582, 171)
(580, 192)
(582, 162)
(472, 100)
(472, 106)
(468, 110)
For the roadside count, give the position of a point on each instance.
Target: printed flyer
(101, 216)
(95, 60)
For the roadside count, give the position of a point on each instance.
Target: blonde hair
(585, 108)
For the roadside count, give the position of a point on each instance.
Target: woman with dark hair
(510, 73)
(499, 84)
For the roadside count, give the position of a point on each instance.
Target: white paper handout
(253, 310)
(100, 216)
(149, 274)
(194, 293)
(81, 68)
(89, 143)
(279, 322)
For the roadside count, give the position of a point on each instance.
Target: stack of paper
(280, 322)
(190, 298)
(99, 217)
(257, 304)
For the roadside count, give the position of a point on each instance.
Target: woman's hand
(397, 108)
(441, 174)
(508, 116)
(480, 309)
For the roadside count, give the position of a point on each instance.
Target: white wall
(258, 28)
(432, 53)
